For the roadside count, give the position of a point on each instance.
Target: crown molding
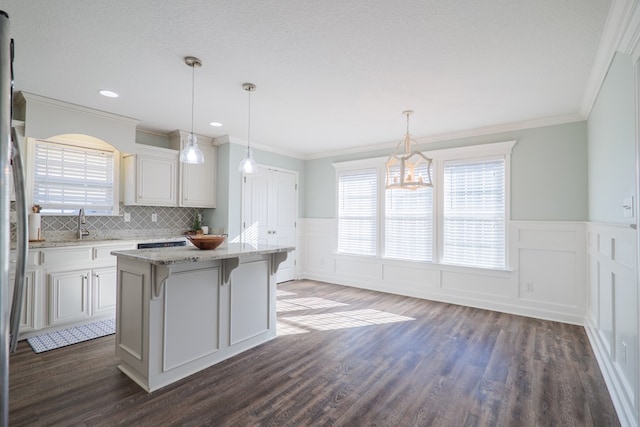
(631, 40)
(621, 33)
(469, 133)
(26, 97)
(239, 141)
(488, 130)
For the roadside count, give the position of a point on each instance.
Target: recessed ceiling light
(216, 124)
(108, 93)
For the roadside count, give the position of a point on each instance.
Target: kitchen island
(181, 310)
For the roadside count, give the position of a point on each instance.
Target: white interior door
(255, 208)
(270, 210)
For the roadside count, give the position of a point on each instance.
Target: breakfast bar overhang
(181, 310)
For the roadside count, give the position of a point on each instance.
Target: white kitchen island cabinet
(181, 310)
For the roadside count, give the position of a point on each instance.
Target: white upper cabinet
(150, 177)
(197, 183)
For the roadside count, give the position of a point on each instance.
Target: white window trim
(488, 151)
(79, 141)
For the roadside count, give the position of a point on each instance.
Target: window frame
(82, 142)
(488, 151)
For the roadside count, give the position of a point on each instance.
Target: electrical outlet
(529, 286)
(154, 217)
(127, 217)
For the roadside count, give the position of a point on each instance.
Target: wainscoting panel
(550, 275)
(612, 320)
(546, 277)
(409, 275)
(470, 283)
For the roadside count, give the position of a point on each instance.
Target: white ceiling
(330, 75)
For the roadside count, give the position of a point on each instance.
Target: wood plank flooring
(362, 363)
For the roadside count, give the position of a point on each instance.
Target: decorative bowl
(206, 241)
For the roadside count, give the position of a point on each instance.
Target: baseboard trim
(624, 408)
(469, 301)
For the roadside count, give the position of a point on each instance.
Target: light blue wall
(154, 139)
(611, 131)
(548, 173)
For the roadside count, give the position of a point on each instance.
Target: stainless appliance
(169, 244)
(9, 156)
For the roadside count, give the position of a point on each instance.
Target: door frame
(296, 173)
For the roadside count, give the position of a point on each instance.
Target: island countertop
(188, 254)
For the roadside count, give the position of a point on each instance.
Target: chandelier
(408, 168)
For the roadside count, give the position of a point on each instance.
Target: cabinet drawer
(66, 256)
(104, 252)
(33, 258)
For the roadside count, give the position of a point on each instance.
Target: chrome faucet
(81, 232)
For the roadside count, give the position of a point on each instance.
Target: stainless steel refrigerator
(10, 163)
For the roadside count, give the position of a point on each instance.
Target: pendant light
(248, 165)
(191, 152)
(408, 168)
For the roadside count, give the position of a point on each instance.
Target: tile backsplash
(170, 222)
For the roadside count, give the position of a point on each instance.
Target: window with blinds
(408, 225)
(67, 178)
(357, 212)
(474, 213)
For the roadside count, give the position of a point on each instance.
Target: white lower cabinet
(80, 294)
(104, 290)
(67, 286)
(69, 296)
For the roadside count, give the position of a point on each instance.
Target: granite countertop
(95, 242)
(187, 254)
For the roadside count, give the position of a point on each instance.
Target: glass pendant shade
(191, 153)
(408, 168)
(248, 165)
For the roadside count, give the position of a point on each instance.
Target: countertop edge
(191, 254)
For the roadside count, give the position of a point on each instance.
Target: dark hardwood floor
(376, 359)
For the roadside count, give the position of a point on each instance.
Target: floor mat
(77, 334)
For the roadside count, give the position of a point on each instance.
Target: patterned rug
(65, 337)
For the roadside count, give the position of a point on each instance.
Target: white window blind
(409, 224)
(474, 213)
(68, 177)
(357, 211)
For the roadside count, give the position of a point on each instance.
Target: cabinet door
(69, 296)
(156, 181)
(27, 313)
(104, 290)
(198, 182)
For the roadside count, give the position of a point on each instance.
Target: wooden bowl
(206, 241)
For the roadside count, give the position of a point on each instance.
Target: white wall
(549, 256)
